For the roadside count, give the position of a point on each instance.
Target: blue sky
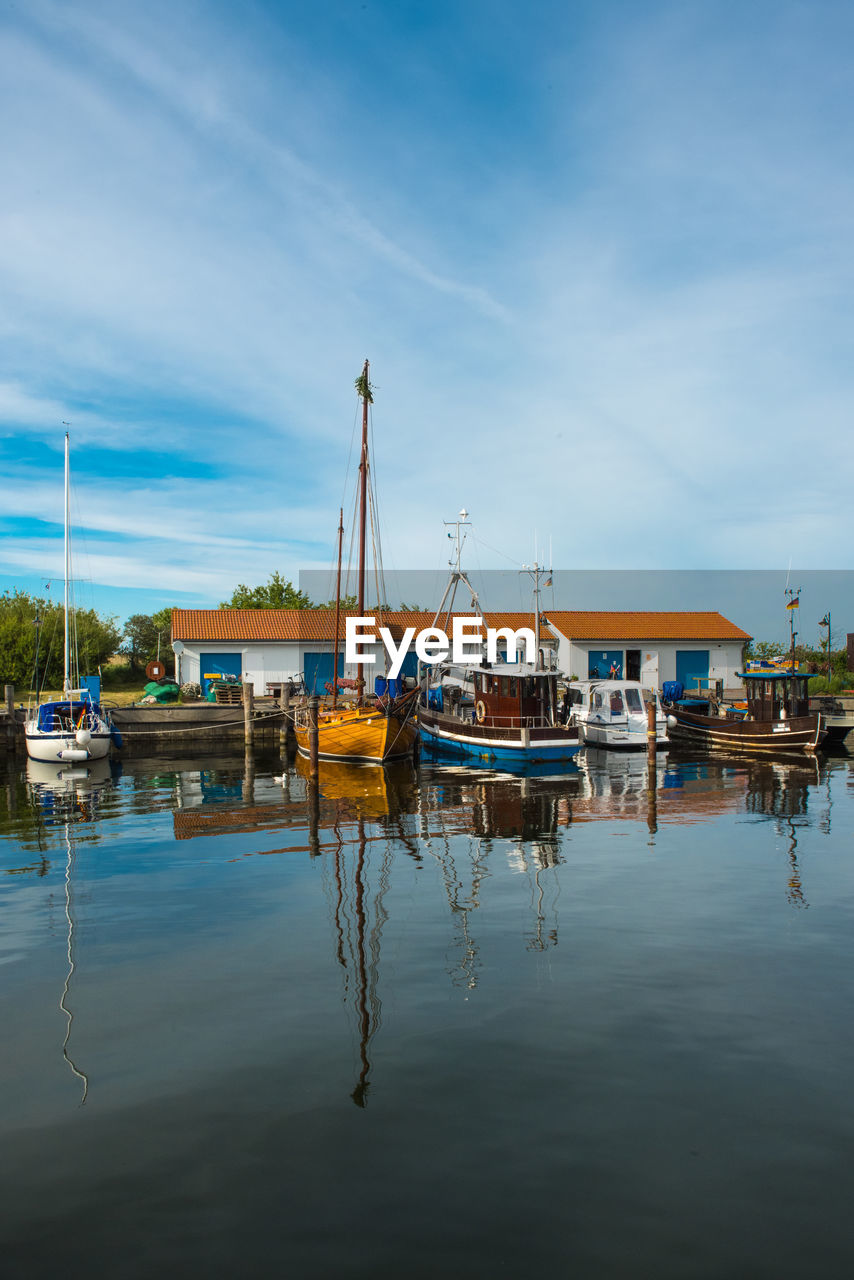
(599, 255)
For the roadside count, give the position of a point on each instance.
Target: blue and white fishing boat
(494, 712)
(74, 727)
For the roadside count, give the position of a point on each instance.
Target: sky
(599, 255)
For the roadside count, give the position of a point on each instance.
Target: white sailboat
(74, 727)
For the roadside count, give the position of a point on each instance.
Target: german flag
(794, 604)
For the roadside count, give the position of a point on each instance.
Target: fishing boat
(75, 727)
(493, 712)
(377, 729)
(615, 713)
(774, 717)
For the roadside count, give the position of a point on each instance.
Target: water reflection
(68, 797)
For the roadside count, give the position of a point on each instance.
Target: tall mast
(66, 688)
(364, 388)
(337, 609)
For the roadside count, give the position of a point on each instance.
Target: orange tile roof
(597, 624)
(235, 625)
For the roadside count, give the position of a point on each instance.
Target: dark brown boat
(776, 718)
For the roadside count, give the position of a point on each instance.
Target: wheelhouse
(770, 693)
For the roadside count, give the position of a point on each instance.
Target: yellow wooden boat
(363, 733)
(358, 733)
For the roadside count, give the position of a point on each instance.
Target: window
(616, 703)
(633, 699)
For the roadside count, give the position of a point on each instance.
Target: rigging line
(481, 543)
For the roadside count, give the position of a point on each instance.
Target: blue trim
(489, 752)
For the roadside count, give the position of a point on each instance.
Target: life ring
(480, 712)
(155, 670)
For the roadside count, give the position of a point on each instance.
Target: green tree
(32, 641)
(148, 636)
(275, 594)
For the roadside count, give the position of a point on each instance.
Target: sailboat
(386, 728)
(74, 727)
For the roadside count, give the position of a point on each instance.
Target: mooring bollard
(313, 704)
(11, 722)
(650, 733)
(248, 709)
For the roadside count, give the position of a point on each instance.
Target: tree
(32, 641)
(148, 636)
(276, 594)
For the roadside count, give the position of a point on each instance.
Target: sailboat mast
(337, 609)
(66, 687)
(364, 392)
(537, 612)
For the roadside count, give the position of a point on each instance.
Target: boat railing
(66, 722)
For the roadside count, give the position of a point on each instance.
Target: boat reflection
(370, 790)
(68, 797)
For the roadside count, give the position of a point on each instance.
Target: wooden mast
(363, 386)
(337, 610)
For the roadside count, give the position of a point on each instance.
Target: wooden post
(11, 722)
(313, 801)
(313, 703)
(248, 709)
(651, 767)
(286, 719)
(248, 774)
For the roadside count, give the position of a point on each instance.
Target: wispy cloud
(598, 284)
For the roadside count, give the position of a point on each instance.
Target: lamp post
(825, 622)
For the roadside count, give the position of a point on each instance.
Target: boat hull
(64, 748)
(358, 734)
(766, 737)
(621, 739)
(485, 742)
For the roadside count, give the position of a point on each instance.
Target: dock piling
(313, 704)
(248, 715)
(11, 724)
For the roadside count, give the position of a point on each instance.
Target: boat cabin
(514, 694)
(771, 692)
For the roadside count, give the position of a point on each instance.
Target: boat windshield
(634, 700)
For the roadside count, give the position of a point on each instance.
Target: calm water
(438, 1022)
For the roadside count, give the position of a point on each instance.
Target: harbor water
(429, 1021)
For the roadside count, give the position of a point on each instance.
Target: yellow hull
(357, 733)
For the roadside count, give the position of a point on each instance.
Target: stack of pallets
(228, 694)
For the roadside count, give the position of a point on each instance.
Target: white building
(268, 647)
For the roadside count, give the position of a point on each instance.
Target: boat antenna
(793, 604)
(536, 571)
(458, 574)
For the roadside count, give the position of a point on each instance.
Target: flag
(794, 604)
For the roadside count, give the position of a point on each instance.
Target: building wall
(270, 662)
(724, 657)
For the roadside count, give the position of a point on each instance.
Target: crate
(229, 695)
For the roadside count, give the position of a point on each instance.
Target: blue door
(600, 661)
(691, 664)
(317, 669)
(213, 666)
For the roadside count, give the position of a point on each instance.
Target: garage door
(691, 665)
(214, 666)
